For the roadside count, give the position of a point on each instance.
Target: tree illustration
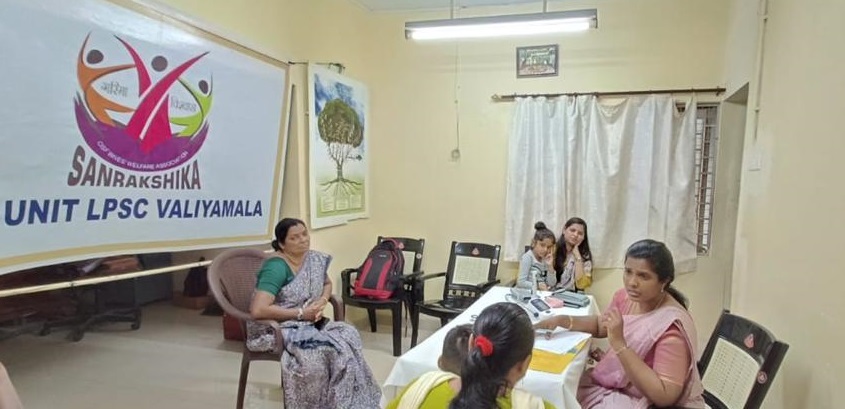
(342, 131)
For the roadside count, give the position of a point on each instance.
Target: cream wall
(741, 47)
(788, 259)
(640, 45)
(790, 199)
(418, 190)
(291, 30)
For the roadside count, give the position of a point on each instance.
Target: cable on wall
(456, 153)
(763, 17)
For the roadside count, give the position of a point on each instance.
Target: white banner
(123, 133)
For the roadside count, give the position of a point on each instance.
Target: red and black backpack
(381, 272)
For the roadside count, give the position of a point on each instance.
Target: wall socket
(755, 160)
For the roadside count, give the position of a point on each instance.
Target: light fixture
(500, 26)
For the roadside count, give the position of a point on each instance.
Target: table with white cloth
(558, 389)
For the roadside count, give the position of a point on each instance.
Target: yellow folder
(551, 362)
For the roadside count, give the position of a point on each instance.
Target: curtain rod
(511, 97)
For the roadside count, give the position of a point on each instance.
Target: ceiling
(405, 5)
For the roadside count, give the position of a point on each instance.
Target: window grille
(706, 142)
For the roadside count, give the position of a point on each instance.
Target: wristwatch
(301, 313)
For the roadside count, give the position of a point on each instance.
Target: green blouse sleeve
(274, 275)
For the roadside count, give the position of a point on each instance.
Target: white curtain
(627, 169)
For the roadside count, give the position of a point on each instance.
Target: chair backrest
(470, 264)
(412, 249)
(232, 277)
(739, 363)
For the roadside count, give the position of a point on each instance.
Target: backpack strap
(389, 244)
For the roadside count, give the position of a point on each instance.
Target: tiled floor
(177, 359)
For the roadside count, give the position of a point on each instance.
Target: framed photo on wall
(537, 61)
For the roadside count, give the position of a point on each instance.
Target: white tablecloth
(558, 389)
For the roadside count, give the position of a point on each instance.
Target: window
(706, 142)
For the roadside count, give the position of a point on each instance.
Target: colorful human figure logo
(145, 131)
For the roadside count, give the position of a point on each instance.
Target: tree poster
(338, 165)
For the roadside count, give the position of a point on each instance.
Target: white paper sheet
(559, 341)
(730, 374)
(471, 270)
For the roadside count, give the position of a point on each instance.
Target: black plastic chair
(739, 363)
(471, 272)
(413, 251)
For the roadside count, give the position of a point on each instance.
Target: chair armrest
(347, 273)
(483, 287)
(346, 281)
(418, 286)
(277, 331)
(337, 305)
(410, 278)
(430, 276)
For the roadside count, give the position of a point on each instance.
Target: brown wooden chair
(471, 272)
(232, 277)
(412, 249)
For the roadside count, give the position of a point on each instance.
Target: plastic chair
(471, 272)
(232, 277)
(739, 363)
(411, 248)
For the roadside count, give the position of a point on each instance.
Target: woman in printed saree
(651, 360)
(573, 261)
(500, 348)
(322, 364)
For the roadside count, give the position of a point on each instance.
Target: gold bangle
(569, 317)
(618, 351)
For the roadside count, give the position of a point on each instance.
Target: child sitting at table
(498, 353)
(535, 266)
(455, 349)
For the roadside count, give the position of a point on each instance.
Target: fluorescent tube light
(499, 26)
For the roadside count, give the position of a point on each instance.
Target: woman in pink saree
(651, 360)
